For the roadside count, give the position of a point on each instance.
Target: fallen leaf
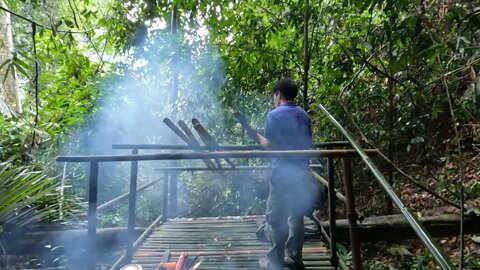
(476, 239)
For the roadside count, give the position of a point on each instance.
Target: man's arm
(263, 141)
(254, 135)
(269, 131)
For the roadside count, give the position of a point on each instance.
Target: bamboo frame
(339, 153)
(220, 147)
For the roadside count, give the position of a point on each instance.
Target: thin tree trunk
(306, 55)
(9, 96)
(174, 62)
(391, 119)
(173, 176)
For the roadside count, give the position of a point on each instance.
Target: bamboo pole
(224, 252)
(324, 182)
(104, 207)
(233, 154)
(192, 142)
(220, 147)
(138, 242)
(237, 168)
(208, 139)
(424, 236)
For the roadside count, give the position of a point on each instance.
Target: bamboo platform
(221, 243)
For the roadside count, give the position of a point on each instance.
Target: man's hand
(263, 141)
(258, 138)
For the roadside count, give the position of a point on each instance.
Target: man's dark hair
(287, 87)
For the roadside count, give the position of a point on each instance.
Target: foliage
(345, 254)
(27, 195)
(402, 258)
(12, 135)
(401, 75)
(223, 194)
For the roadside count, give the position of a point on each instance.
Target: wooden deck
(221, 243)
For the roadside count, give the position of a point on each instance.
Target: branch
(35, 81)
(298, 66)
(73, 13)
(408, 177)
(351, 82)
(418, 184)
(269, 12)
(372, 66)
(462, 172)
(87, 33)
(359, 72)
(38, 24)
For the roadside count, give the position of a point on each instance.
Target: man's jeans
(292, 195)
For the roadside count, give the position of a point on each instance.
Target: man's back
(288, 128)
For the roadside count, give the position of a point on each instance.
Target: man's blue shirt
(288, 128)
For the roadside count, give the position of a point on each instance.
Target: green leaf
(399, 251)
(19, 62)
(6, 62)
(9, 67)
(418, 139)
(476, 239)
(69, 23)
(472, 210)
(20, 69)
(20, 189)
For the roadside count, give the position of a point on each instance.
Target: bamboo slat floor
(221, 243)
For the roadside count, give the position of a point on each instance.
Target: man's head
(284, 90)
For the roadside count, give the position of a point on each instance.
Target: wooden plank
(224, 252)
(221, 243)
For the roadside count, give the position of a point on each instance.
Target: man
(292, 190)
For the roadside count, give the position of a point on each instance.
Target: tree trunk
(396, 227)
(9, 96)
(34, 242)
(173, 176)
(306, 55)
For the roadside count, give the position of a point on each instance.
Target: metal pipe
(351, 213)
(92, 215)
(331, 213)
(220, 147)
(419, 229)
(233, 154)
(132, 207)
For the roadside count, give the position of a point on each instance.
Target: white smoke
(136, 98)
